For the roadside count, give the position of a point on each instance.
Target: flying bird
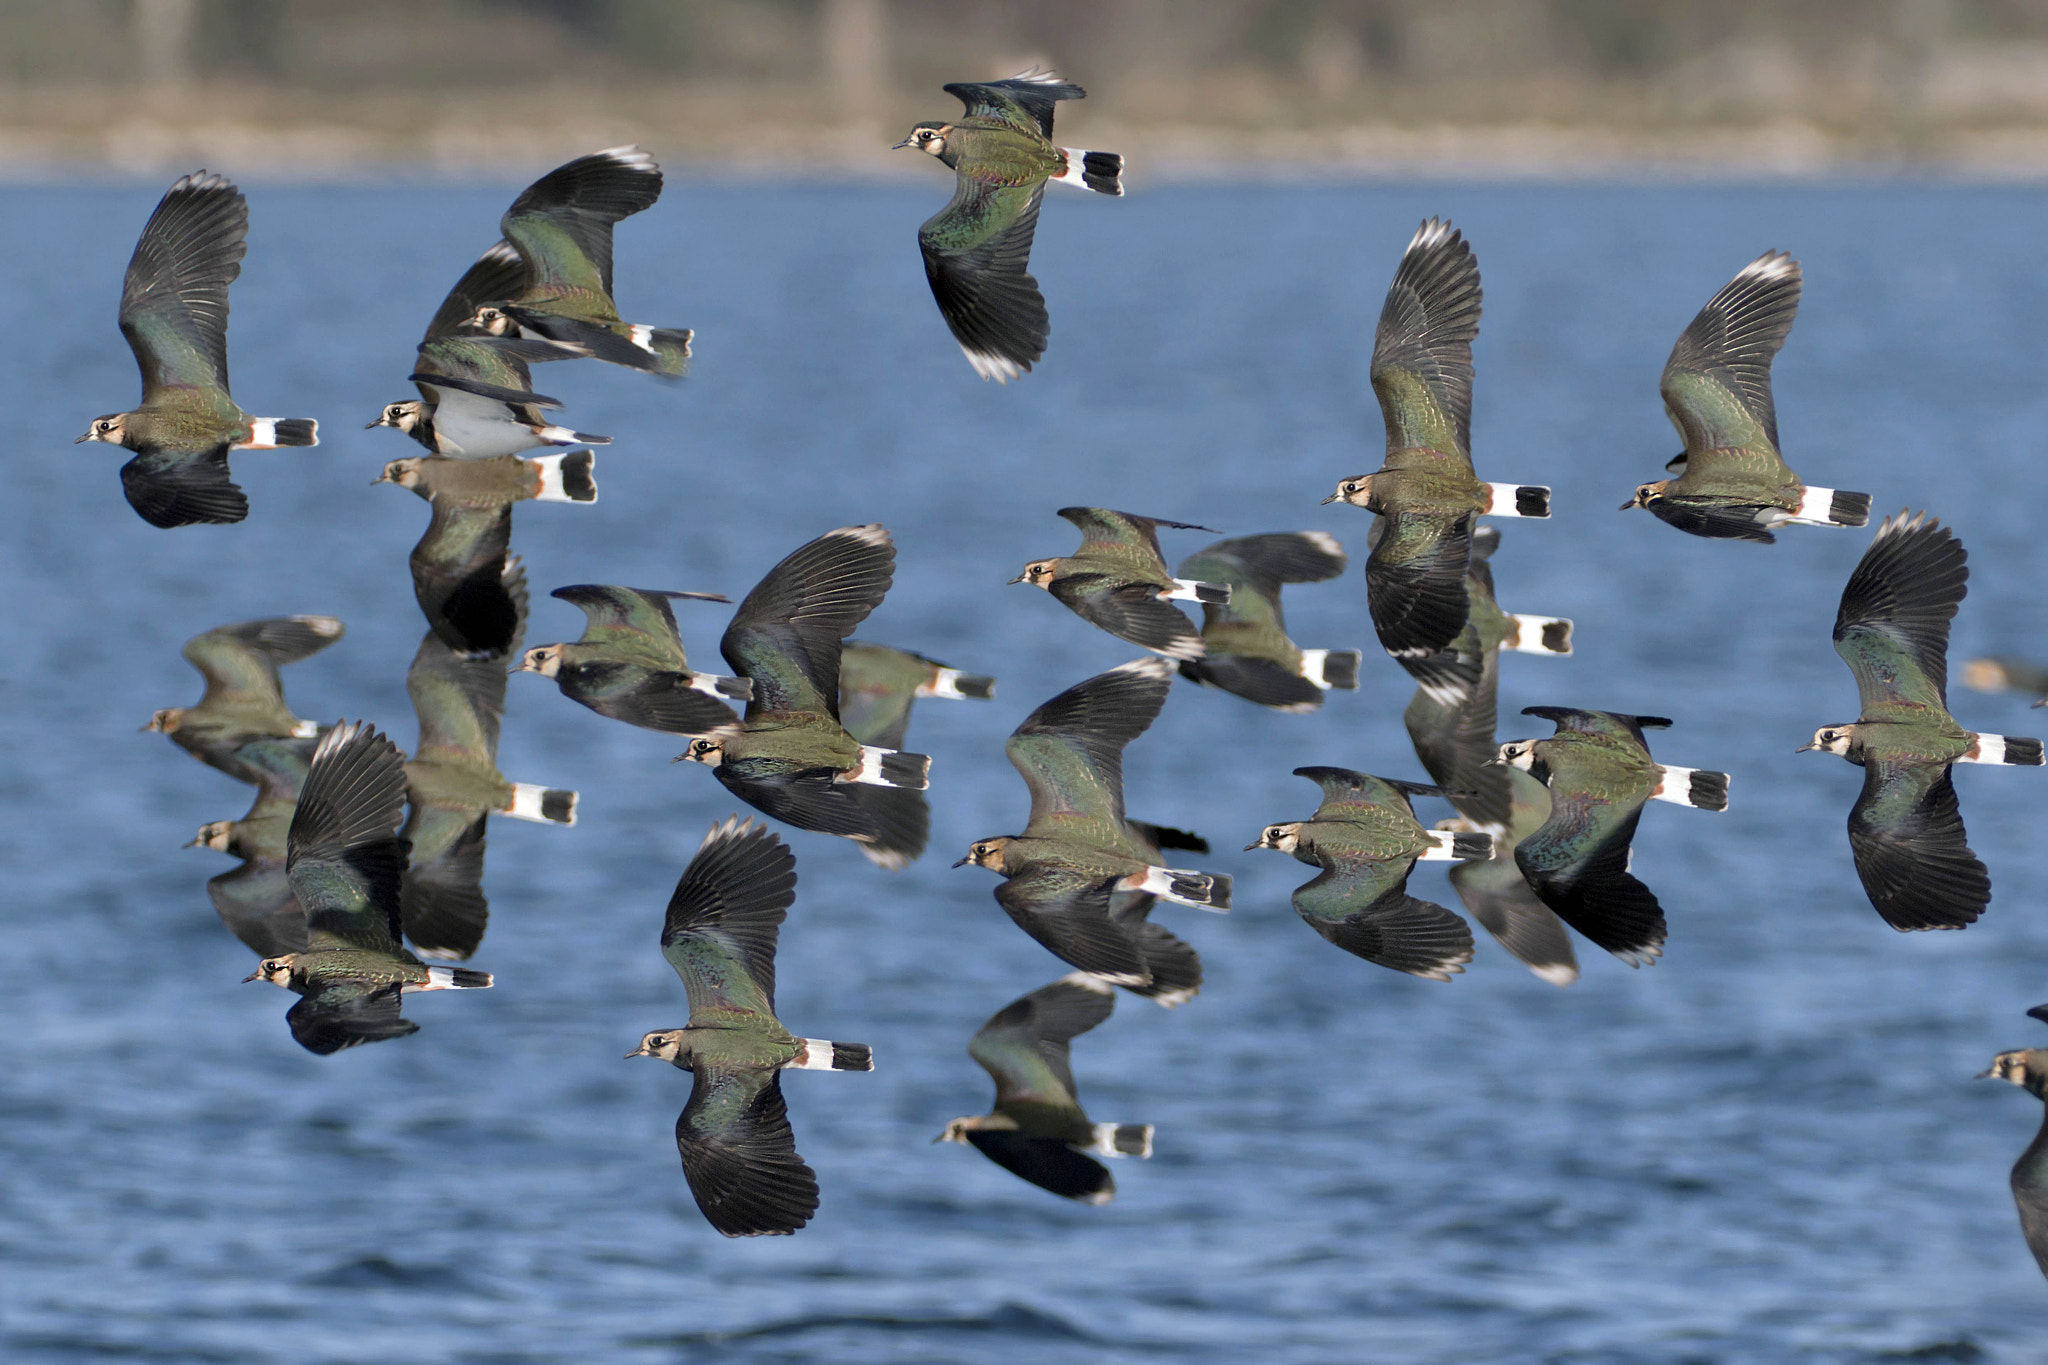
(244, 697)
(2028, 1069)
(877, 685)
(976, 248)
(719, 934)
(630, 665)
(1245, 649)
(1118, 580)
(255, 901)
(174, 314)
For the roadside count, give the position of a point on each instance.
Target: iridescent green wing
(460, 699)
(1601, 724)
(1070, 751)
(633, 619)
(1358, 797)
(1024, 1048)
(240, 662)
(722, 923)
(786, 634)
(342, 856)
(1123, 536)
(497, 275)
(174, 301)
(739, 1154)
(494, 368)
(561, 224)
(1717, 383)
(1254, 568)
(460, 576)
(1422, 350)
(1415, 582)
(977, 250)
(1892, 629)
(1025, 101)
(876, 686)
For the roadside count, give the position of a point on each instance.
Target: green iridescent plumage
(244, 697)
(630, 665)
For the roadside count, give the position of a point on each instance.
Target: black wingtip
(2039, 1012)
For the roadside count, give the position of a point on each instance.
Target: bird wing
(348, 1014)
(561, 224)
(493, 368)
(1451, 721)
(1717, 383)
(1024, 1044)
(1133, 612)
(722, 922)
(170, 488)
(1067, 911)
(1577, 864)
(819, 805)
(1610, 724)
(240, 661)
(1892, 629)
(342, 855)
(1415, 582)
(1124, 536)
(442, 903)
(460, 575)
(635, 617)
(739, 1154)
(256, 904)
(785, 636)
(1364, 908)
(1025, 101)
(1354, 796)
(498, 274)
(1422, 349)
(174, 301)
(1070, 750)
(1912, 853)
(460, 702)
(977, 250)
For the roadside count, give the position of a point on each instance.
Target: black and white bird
(1038, 1130)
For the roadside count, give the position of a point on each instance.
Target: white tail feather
(1312, 666)
(1537, 634)
(305, 729)
(945, 685)
(558, 436)
(1441, 842)
(1699, 788)
(1504, 500)
(1159, 881)
(551, 486)
(1189, 590)
(1814, 504)
(529, 802)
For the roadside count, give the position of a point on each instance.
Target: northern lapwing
(788, 756)
(1450, 719)
(1905, 830)
(1496, 894)
(476, 393)
(630, 665)
(454, 787)
(1365, 838)
(2007, 673)
(2028, 1069)
(1118, 580)
(1730, 482)
(977, 249)
(458, 566)
(1600, 775)
(1038, 1130)
(1246, 651)
(244, 697)
(346, 862)
(719, 934)
(1063, 874)
(877, 685)
(561, 228)
(1425, 489)
(174, 314)
(255, 901)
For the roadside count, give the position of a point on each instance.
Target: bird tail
(1831, 507)
(1202, 890)
(272, 433)
(821, 1054)
(567, 478)
(1187, 590)
(1705, 790)
(545, 805)
(1121, 1139)
(563, 436)
(952, 683)
(712, 685)
(1538, 635)
(1518, 500)
(2004, 749)
(1098, 171)
(890, 768)
(1454, 846)
(450, 979)
(1328, 668)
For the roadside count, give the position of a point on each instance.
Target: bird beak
(2042, 702)
(640, 1051)
(940, 1138)
(1018, 579)
(372, 426)
(965, 861)
(1985, 1074)
(1494, 762)
(83, 439)
(1332, 498)
(256, 975)
(192, 843)
(1249, 847)
(901, 145)
(1804, 747)
(1625, 506)
(679, 758)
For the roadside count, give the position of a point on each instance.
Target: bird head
(1281, 837)
(986, 853)
(1039, 573)
(404, 416)
(545, 660)
(1516, 753)
(1647, 494)
(111, 428)
(1357, 492)
(667, 1044)
(2027, 1069)
(1831, 739)
(706, 749)
(405, 473)
(218, 836)
(492, 319)
(929, 138)
(276, 970)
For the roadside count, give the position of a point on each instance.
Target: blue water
(1767, 1148)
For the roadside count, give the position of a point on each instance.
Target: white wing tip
(989, 365)
(1087, 981)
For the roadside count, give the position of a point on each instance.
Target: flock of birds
(332, 886)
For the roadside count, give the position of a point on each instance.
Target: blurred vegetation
(1814, 82)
